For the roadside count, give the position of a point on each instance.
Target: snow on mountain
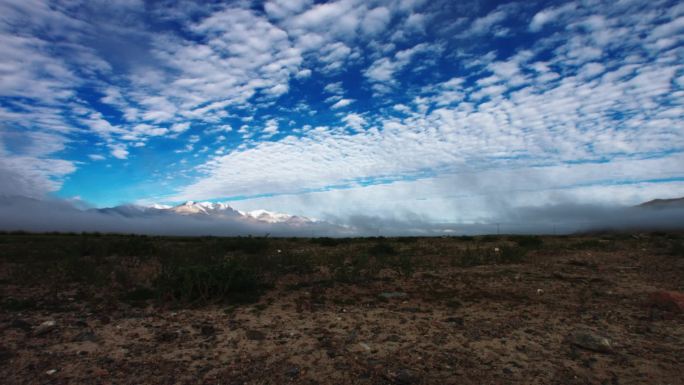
(224, 209)
(210, 208)
(272, 217)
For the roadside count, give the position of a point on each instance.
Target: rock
(454, 321)
(51, 372)
(85, 336)
(292, 371)
(667, 300)
(393, 338)
(255, 335)
(405, 377)
(393, 294)
(591, 341)
(45, 328)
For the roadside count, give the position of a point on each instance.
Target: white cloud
(375, 21)
(119, 151)
(355, 121)
(280, 9)
(180, 127)
(547, 16)
(342, 103)
(271, 128)
(383, 70)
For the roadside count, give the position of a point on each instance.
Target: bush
(196, 282)
(528, 241)
(382, 249)
(326, 241)
(677, 249)
(248, 245)
(511, 255)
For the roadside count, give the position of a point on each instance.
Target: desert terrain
(124, 309)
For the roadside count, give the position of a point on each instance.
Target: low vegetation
(203, 270)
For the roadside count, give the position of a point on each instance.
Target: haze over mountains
(211, 209)
(220, 219)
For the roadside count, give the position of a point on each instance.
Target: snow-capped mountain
(219, 209)
(272, 217)
(191, 207)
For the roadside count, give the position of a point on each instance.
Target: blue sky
(448, 110)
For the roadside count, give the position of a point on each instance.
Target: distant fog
(28, 214)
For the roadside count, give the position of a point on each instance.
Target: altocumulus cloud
(402, 111)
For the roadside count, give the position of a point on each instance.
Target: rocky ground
(583, 315)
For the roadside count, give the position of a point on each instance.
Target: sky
(446, 111)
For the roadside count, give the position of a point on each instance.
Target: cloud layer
(452, 111)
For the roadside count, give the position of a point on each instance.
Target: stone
(45, 328)
(292, 371)
(454, 321)
(85, 336)
(588, 340)
(393, 294)
(405, 377)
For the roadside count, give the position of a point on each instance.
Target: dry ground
(440, 321)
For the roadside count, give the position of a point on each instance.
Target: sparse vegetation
(183, 296)
(528, 241)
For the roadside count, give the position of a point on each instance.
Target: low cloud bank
(28, 214)
(19, 213)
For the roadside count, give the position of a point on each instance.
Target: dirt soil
(491, 324)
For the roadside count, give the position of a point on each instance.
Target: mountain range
(209, 209)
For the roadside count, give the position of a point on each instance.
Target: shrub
(511, 254)
(528, 241)
(197, 282)
(472, 257)
(382, 249)
(677, 249)
(248, 245)
(326, 241)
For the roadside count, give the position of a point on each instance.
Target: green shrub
(382, 249)
(248, 245)
(528, 241)
(196, 282)
(511, 254)
(472, 257)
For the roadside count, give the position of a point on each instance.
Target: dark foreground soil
(573, 311)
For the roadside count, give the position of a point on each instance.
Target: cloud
(341, 104)
(271, 128)
(375, 21)
(119, 151)
(603, 84)
(355, 121)
(382, 71)
(20, 213)
(547, 16)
